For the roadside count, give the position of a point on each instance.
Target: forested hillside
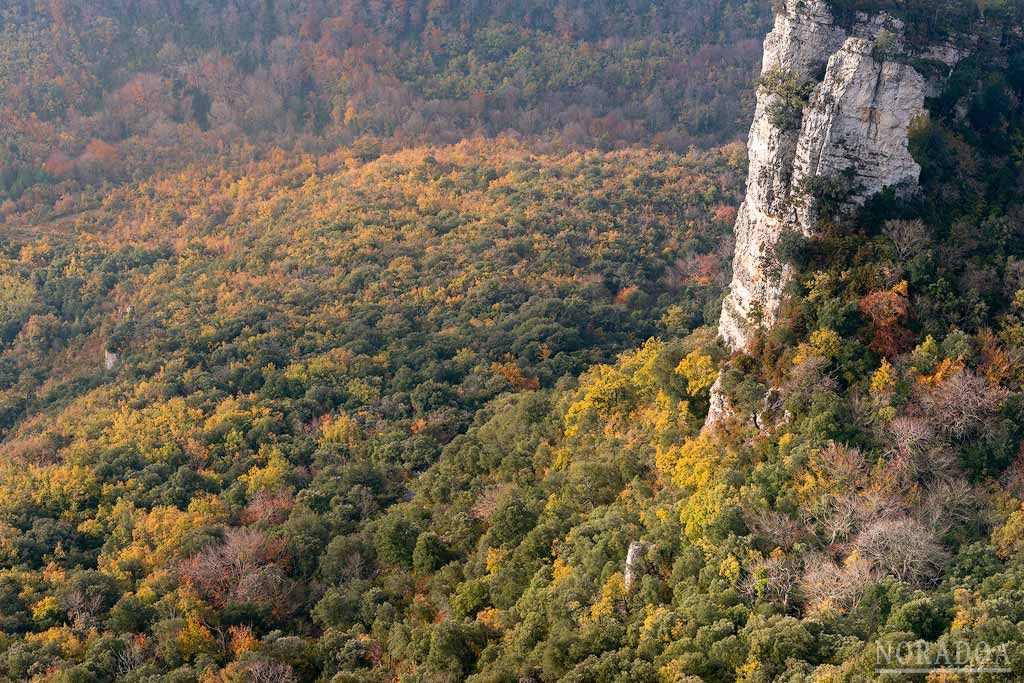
(372, 342)
(97, 91)
(254, 284)
(291, 344)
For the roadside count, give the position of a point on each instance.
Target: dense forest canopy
(295, 342)
(926, 21)
(363, 342)
(99, 90)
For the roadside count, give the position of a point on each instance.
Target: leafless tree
(244, 567)
(268, 507)
(487, 502)
(910, 434)
(1013, 280)
(364, 500)
(962, 403)
(826, 583)
(356, 566)
(807, 375)
(843, 465)
(267, 671)
(132, 656)
(774, 578)
(781, 529)
(902, 467)
(908, 238)
(839, 518)
(1013, 478)
(916, 452)
(902, 548)
(948, 504)
(908, 468)
(852, 498)
(83, 607)
(942, 462)
(863, 410)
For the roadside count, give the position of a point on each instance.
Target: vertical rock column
(800, 44)
(854, 130)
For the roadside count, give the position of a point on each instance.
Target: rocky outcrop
(852, 132)
(851, 138)
(634, 561)
(109, 360)
(803, 38)
(718, 408)
(855, 129)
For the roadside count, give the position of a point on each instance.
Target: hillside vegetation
(96, 91)
(310, 371)
(296, 342)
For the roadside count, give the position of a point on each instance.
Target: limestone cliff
(801, 42)
(864, 95)
(834, 108)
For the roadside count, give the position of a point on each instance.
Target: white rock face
(803, 37)
(636, 552)
(109, 360)
(854, 128)
(719, 408)
(801, 42)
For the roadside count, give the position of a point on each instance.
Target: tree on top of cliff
(928, 20)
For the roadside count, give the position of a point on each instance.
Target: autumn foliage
(888, 310)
